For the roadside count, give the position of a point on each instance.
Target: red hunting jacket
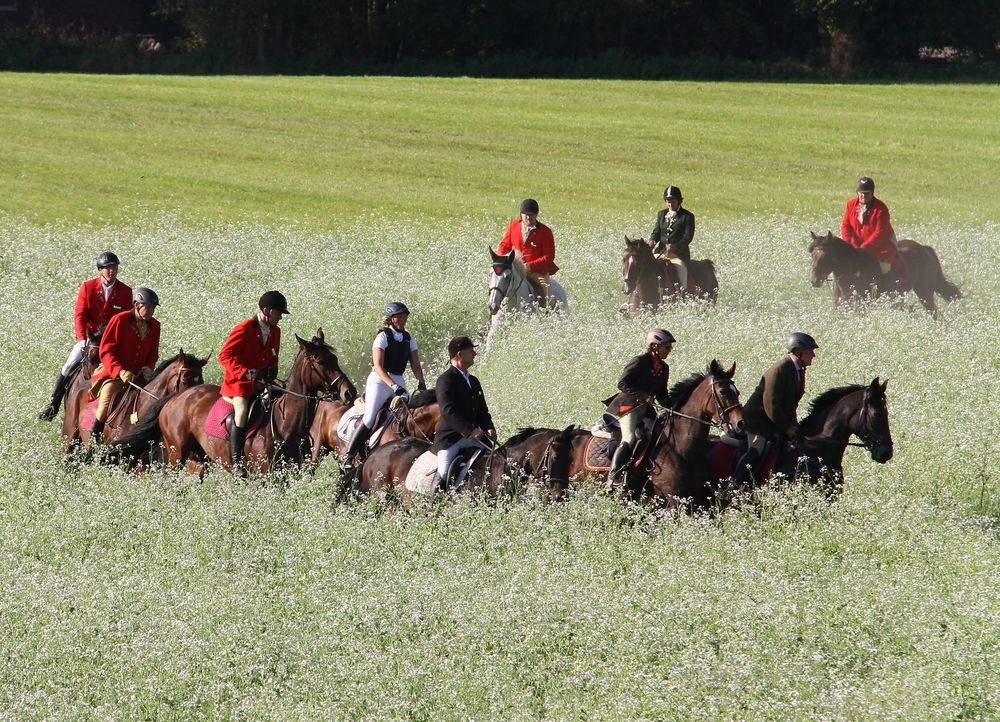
(122, 349)
(539, 250)
(92, 311)
(244, 351)
(875, 236)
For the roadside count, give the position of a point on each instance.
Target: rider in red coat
(535, 245)
(130, 347)
(250, 352)
(866, 226)
(99, 299)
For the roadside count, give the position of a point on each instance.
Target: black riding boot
(619, 466)
(354, 447)
(52, 408)
(746, 468)
(237, 437)
(96, 433)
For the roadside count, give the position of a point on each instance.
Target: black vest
(397, 353)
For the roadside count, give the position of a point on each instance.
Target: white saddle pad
(420, 478)
(350, 421)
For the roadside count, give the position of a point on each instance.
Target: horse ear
(885, 385)
(319, 335)
(510, 256)
(732, 370)
(182, 351)
(714, 367)
(829, 235)
(302, 342)
(569, 429)
(205, 360)
(874, 385)
(492, 254)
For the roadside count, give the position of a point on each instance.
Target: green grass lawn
(321, 150)
(165, 597)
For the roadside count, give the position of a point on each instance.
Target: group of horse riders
(129, 347)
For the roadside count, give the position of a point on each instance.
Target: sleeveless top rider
(397, 345)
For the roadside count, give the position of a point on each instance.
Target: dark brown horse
(857, 275)
(648, 281)
(407, 420)
(833, 418)
(532, 454)
(179, 420)
(76, 393)
(172, 376)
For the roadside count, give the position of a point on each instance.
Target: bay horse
(509, 288)
(406, 420)
(857, 275)
(179, 419)
(647, 281)
(538, 454)
(675, 465)
(76, 396)
(825, 433)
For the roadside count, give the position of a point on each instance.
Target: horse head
(820, 249)
(638, 255)
(501, 274)
(872, 425)
(189, 370)
(320, 370)
(725, 408)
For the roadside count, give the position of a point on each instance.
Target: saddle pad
(420, 477)
(88, 416)
(722, 460)
(350, 421)
(595, 456)
(215, 421)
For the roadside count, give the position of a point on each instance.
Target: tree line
(329, 35)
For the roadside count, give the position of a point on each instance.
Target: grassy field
(168, 597)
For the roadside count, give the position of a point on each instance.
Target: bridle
(722, 410)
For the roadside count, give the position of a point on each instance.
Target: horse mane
(822, 404)
(682, 390)
(520, 436)
(164, 364)
(419, 399)
(518, 265)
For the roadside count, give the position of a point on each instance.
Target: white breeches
(75, 357)
(446, 456)
(376, 396)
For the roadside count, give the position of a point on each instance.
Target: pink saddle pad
(88, 416)
(215, 422)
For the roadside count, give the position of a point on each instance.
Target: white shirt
(107, 289)
(265, 330)
(383, 343)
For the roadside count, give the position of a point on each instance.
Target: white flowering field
(162, 596)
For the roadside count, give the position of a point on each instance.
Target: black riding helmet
(107, 258)
(145, 295)
(529, 205)
(803, 341)
(275, 300)
(394, 308)
(672, 192)
(866, 185)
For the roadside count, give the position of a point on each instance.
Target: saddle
(670, 280)
(215, 421)
(124, 398)
(605, 437)
(352, 418)
(724, 453)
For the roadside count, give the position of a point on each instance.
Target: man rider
(866, 226)
(98, 300)
(465, 417)
(130, 347)
(249, 355)
(672, 234)
(644, 379)
(769, 415)
(535, 245)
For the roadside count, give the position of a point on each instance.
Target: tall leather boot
(354, 447)
(619, 466)
(51, 409)
(237, 437)
(746, 468)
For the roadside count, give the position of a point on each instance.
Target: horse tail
(708, 281)
(146, 432)
(943, 287)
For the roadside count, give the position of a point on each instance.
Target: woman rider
(644, 378)
(392, 350)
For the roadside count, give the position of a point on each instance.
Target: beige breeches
(241, 409)
(630, 422)
(107, 392)
(540, 284)
(680, 268)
